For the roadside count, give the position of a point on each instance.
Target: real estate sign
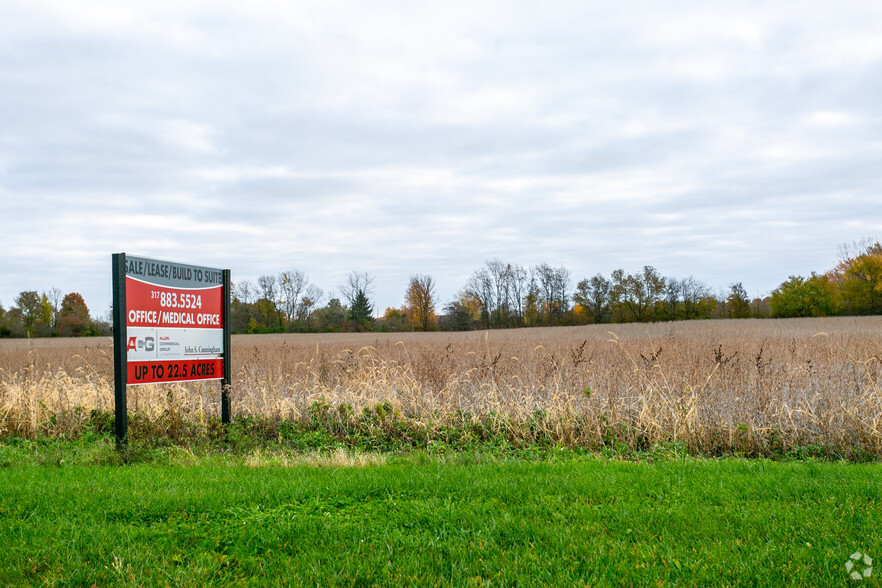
(171, 324)
(174, 322)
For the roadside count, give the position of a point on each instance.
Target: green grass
(464, 519)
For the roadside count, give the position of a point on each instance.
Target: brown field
(739, 386)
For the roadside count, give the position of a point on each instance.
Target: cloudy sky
(732, 141)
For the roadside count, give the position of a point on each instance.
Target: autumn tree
(638, 293)
(35, 311)
(858, 277)
(851, 252)
(331, 317)
(462, 314)
(73, 316)
(737, 302)
(801, 297)
(759, 307)
(592, 294)
(861, 286)
(394, 319)
(420, 302)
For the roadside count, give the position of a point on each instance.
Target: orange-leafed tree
(73, 318)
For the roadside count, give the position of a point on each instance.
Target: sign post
(171, 323)
(228, 365)
(119, 344)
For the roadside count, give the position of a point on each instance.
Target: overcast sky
(731, 141)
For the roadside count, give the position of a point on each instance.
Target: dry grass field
(751, 387)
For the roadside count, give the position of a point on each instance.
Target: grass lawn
(469, 520)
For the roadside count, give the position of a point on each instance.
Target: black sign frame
(120, 355)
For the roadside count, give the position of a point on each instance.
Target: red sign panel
(152, 372)
(174, 322)
(149, 305)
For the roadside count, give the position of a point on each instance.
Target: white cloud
(402, 137)
(830, 119)
(187, 135)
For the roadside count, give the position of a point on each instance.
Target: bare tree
(517, 288)
(673, 293)
(292, 284)
(480, 288)
(499, 289)
(310, 300)
(357, 282)
(553, 296)
(55, 297)
(244, 291)
(867, 246)
(693, 292)
(357, 290)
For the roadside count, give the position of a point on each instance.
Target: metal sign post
(119, 345)
(171, 323)
(228, 365)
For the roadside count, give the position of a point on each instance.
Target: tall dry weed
(753, 387)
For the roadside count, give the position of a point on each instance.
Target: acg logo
(145, 344)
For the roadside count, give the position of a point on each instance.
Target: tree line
(498, 295)
(49, 314)
(504, 295)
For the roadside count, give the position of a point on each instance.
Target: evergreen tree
(361, 311)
